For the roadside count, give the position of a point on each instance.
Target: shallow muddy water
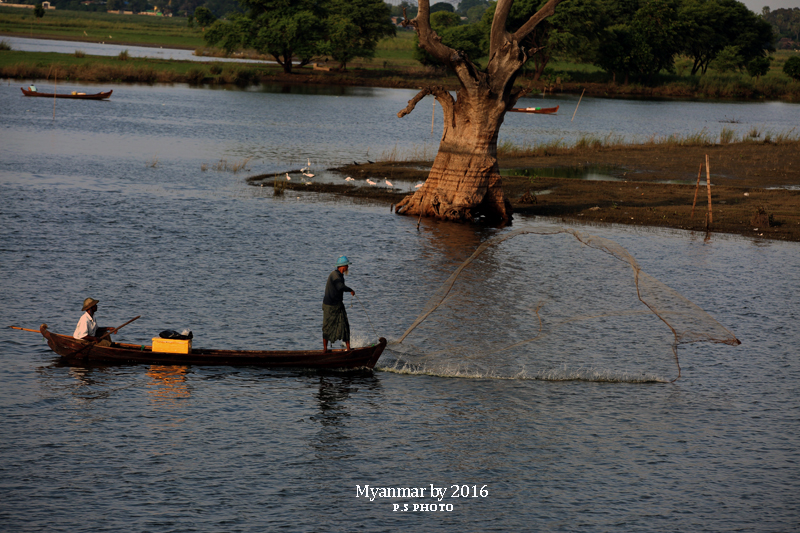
(578, 430)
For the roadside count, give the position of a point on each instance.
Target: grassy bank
(171, 32)
(99, 69)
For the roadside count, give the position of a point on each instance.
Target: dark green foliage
(442, 6)
(785, 24)
(792, 67)
(38, 10)
(296, 31)
(465, 5)
(758, 66)
(204, 16)
(470, 39)
(711, 26)
(354, 28)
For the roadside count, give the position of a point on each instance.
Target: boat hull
(536, 110)
(96, 96)
(77, 351)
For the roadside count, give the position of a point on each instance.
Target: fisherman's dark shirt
(335, 289)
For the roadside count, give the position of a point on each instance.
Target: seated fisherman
(32, 88)
(87, 326)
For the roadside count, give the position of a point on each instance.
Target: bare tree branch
(548, 9)
(429, 40)
(442, 95)
(499, 34)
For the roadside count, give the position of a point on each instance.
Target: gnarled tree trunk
(464, 182)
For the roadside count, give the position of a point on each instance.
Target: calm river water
(579, 430)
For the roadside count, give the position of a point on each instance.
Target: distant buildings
(45, 5)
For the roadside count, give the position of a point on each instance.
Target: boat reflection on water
(168, 382)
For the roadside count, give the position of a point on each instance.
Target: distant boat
(75, 95)
(536, 110)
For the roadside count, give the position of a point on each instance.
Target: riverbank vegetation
(394, 62)
(101, 27)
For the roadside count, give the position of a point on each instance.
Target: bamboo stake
(708, 186)
(55, 91)
(696, 189)
(579, 103)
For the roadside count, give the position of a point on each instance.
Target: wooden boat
(77, 351)
(536, 110)
(77, 96)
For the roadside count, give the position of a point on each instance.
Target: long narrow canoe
(77, 96)
(78, 351)
(536, 110)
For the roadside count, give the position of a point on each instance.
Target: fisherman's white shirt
(86, 326)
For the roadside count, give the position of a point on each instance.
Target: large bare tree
(464, 182)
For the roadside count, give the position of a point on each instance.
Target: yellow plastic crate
(172, 345)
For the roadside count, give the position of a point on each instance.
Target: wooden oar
(107, 333)
(26, 329)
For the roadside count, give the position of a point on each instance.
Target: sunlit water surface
(580, 432)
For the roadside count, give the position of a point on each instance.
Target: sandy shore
(755, 187)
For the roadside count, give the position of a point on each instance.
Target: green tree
(296, 31)
(711, 26)
(641, 39)
(465, 5)
(758, 66)
(38, 10)
(475, 13)
(354, 28)
(728, 59)
(571, 32)
(442, 6)
(204, 17)
(792, 68)
(288, 30)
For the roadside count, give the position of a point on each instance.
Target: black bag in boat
(172, 334)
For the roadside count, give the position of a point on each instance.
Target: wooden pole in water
(579, 103)
(708, 186)
(55, 90)
(696, 189)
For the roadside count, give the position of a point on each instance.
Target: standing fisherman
(335, 325)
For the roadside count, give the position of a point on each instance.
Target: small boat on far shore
(78, 351)
(74, 95)
(536, 110)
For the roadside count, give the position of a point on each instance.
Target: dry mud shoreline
(755, 187)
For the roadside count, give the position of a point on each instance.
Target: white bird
(418, 185)
(371, 182)
(287, 176)
(348, 178)
(308, 175)
(309, 162)
(387, 182)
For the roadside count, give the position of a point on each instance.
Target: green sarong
(335, 325)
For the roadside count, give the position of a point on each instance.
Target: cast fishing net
(553, 304)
